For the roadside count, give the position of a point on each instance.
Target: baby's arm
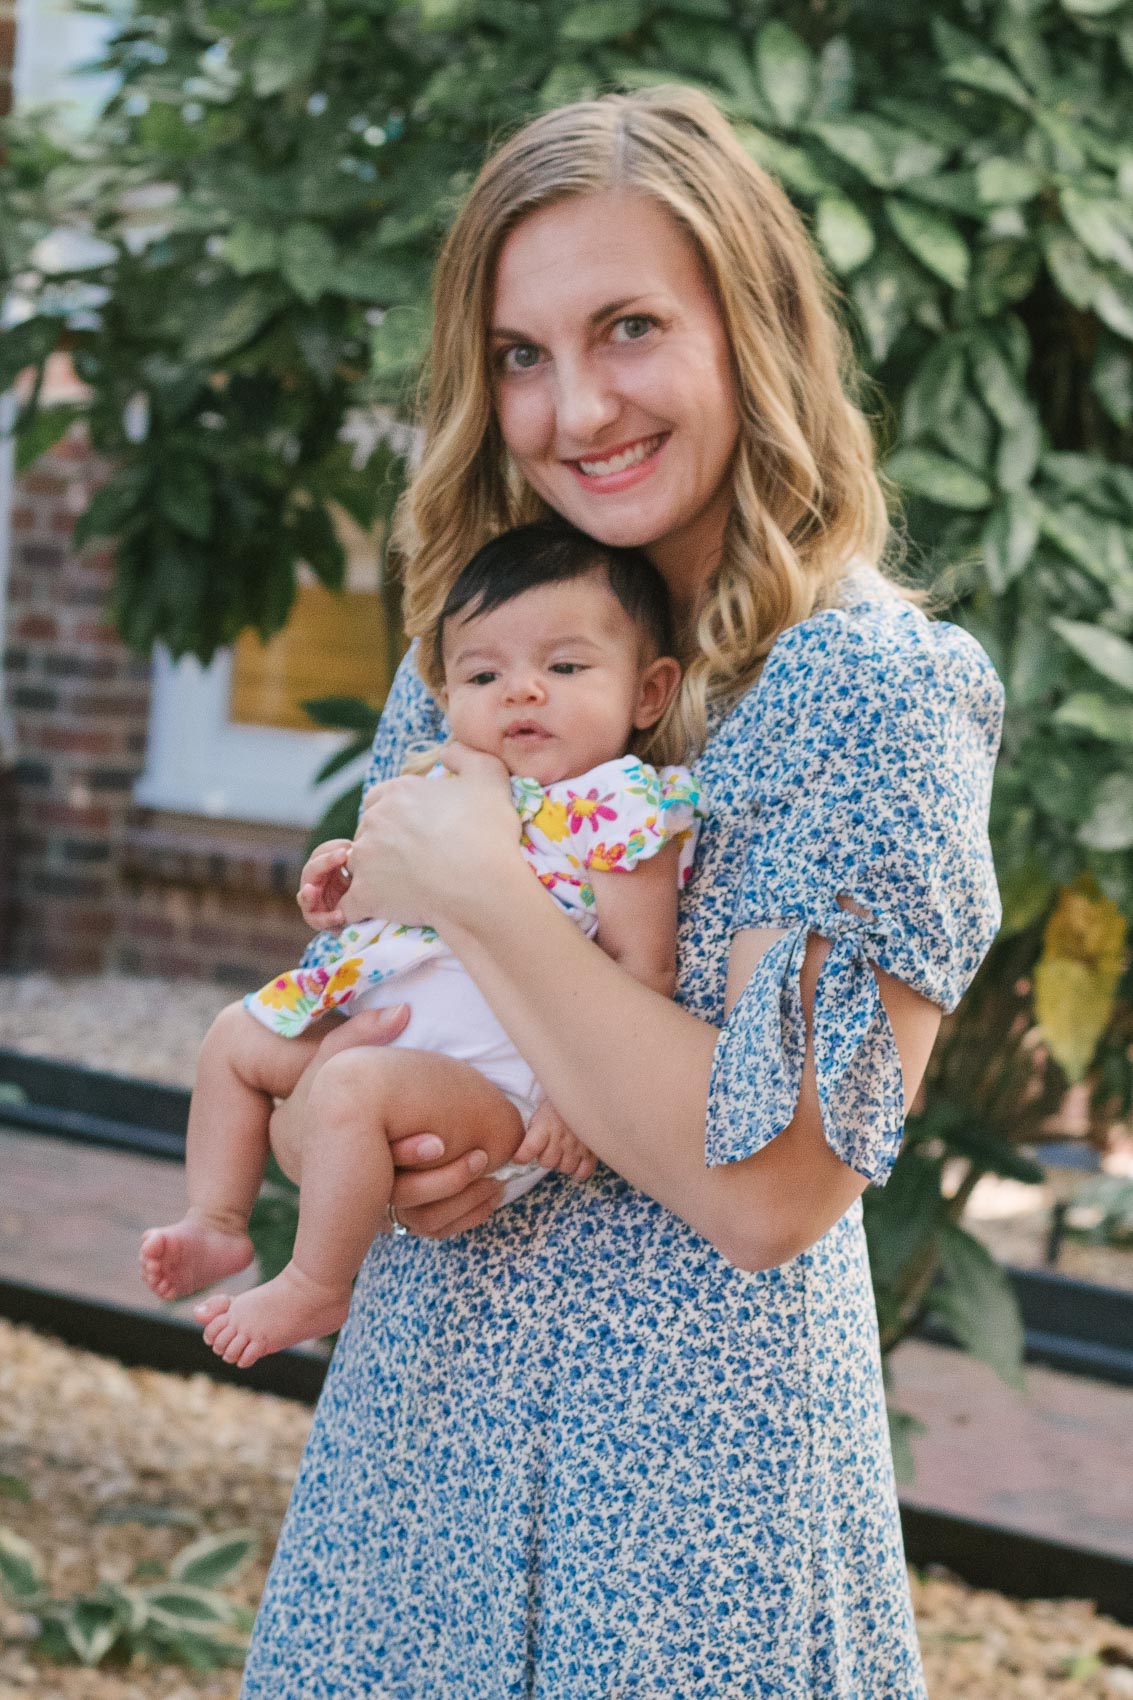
(323, 884)
(637, 926)
(637, 918)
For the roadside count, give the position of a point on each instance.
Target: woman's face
(612, 379)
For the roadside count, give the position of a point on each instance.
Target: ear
(656, 690)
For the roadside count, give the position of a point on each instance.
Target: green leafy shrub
(180, 1618)
(270, 184)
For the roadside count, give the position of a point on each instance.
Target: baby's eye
(482, 678)
(567, 667)
(520, 357)
(634, 326)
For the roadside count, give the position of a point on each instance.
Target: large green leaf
(287, 53)
(601, 20)
(21, 1569)
(214, 1559)
(1009, 539)
(786, 71)
(308, 259)
(227, 323)
(1110, 824)
(844, 232)
(942, 480)
(977, 1303)
(967, 61)
(933, 239)
(1104, 651)
(1086, 711)
(884, 154)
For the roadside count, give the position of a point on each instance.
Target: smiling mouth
(624, 459)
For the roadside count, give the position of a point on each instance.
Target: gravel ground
(93, 1441)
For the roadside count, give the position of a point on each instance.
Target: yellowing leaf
(1076, 976)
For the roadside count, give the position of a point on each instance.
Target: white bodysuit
(606, 820)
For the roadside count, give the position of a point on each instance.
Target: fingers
(318, 906)
(323, 883)
(461, 758)
(368, 1027)
(448, 1181)
(454, 1215)
(418, 1149)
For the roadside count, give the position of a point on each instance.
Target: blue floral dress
(574, 1454)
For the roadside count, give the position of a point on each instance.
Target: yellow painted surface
(333, 645)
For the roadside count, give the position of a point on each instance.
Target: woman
(638, 1431)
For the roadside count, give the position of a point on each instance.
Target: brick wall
(93, 881)
(7, 53)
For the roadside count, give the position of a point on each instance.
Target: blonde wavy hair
(807, 496)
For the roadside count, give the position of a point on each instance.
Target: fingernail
(477, 1162)
(430, 1146)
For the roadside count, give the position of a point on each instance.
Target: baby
(556, 654)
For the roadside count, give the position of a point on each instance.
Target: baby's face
(553, 682)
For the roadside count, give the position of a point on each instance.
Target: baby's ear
(657, 688)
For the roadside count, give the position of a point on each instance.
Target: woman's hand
(425, 848)
(453, 1182)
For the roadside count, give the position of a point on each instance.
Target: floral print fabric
(574, 1454)
(608, 820)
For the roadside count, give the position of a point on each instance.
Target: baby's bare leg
(361, 1102)
(242, 1067)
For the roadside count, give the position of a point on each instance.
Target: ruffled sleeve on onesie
(873, 745)
(607, 821)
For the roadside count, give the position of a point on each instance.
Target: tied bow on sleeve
(857, 1065)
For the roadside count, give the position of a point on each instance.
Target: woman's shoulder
(412, 720)
(876, 652)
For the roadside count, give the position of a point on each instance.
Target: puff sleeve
(873, 748)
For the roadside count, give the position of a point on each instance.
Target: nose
(584, 402)
(524, 685)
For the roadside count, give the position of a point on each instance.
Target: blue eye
(636, 326)
(520, 357)
(482, 678)
(567, 667)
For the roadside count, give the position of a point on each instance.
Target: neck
(688, 559)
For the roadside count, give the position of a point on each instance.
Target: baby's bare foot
(192, 1254)
(283, 1312)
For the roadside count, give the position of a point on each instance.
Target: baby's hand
(549, 1141)
(323, 884)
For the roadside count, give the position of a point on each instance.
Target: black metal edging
(981, 1554)
(169, 1343)
(92, 1107)
(1074, 1326)
(1012, 1562)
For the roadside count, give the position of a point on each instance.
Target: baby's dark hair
(552, 552)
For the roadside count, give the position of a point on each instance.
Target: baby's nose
(524, 687)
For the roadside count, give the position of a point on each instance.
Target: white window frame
(200, 762)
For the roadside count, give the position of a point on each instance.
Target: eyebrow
(606, 312)
(577, 640)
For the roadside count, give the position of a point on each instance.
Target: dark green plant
(270, 184)
(180, 1618)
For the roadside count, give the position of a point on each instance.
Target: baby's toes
(210, 1310)
(236, 1347)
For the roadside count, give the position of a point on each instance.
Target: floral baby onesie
(608, 819)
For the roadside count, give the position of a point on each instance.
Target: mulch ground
(103, 1451)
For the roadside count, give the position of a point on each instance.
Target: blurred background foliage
(262, 200)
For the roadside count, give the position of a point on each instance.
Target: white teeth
(631, 457)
